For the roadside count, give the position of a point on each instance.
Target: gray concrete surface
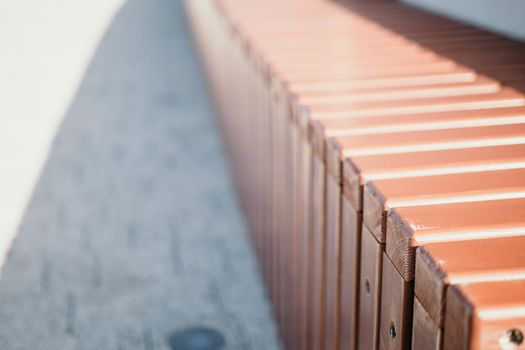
(133, 231)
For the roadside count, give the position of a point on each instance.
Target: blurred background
(119, 226)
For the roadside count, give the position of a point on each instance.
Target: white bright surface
(45, 47)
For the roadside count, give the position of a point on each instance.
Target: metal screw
(511, 339)
(393, 332)
(367, 287)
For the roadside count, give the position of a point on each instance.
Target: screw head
(367, 287)
(511, 339)
(393, 332)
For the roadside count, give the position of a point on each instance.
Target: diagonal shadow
(490, 54)
(133, 217)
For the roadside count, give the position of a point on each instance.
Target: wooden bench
(360, 132)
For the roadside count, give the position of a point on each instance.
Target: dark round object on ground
(198, 338)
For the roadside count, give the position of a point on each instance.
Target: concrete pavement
(133, 231)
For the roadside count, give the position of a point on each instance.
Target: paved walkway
(133, 231)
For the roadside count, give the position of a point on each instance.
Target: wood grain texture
(458, 321)
(291, 220)
(318, 252)
(304, 214)
(334, 166)
(396, 308)
(281, 266)
(333, 262)
(389, 165)
(425, 332)
(374, 212)
(449, 187)
(352, 184)
(317, 138)
(297, 232)
(305, 254)
(496, 315)
(350, 265)
(464, 221)
(369, 290)
(506, 97)
(356, 126)
(399, 244)
(368, 92)
(463, 262)
(430, 286)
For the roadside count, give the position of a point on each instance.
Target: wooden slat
(337, 117)
(411, 227)
(442, 264)
(480, 318)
